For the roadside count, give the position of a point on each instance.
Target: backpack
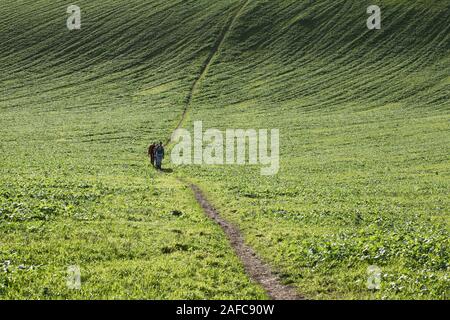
(160, 151)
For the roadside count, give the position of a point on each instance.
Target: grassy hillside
(364, 122)
(78, 110)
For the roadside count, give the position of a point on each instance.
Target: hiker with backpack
(159, 155)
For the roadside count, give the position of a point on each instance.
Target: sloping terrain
(78, 110)
(364, 122)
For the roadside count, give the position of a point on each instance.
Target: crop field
(364, 122)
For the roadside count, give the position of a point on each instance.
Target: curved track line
(205, 66)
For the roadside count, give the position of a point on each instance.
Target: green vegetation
(364, 122)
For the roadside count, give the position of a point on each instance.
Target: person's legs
(158, 162)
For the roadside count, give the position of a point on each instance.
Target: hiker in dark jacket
(151, 153)
(159, 155)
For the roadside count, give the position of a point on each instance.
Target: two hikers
(156, 153)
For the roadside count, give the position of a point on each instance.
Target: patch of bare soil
(254, 266)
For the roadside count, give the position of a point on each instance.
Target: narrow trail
(205, 66)
(257, 270)
(254, 266)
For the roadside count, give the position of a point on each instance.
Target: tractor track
(205, 66)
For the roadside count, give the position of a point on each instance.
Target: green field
(364, 120)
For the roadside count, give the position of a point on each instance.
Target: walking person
(151, 153)
(159, 155)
